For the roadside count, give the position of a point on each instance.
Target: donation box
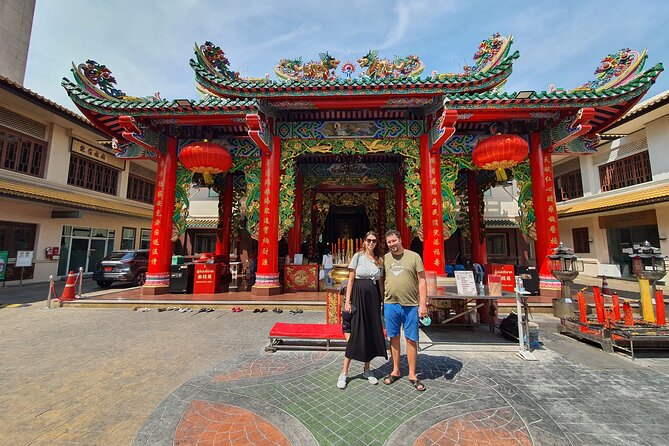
(207, 278)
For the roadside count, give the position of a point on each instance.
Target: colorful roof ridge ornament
(616, 70)
(491, 52)
(382, 68)
(213, 57)
(97, 80)
(348, 69)
(294, 69)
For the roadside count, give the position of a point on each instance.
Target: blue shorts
(396, 315)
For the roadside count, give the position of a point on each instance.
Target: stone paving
(291, 398)
(118, 377)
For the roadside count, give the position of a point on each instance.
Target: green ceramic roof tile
(644, 80)
(85, 99)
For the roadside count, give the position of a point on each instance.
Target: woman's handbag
(321, 275)
(346, 315)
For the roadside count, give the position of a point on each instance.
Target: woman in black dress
(364, 299)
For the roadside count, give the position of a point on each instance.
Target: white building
(60, 189)
(620, 195)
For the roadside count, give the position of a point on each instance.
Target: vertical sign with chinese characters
(433, 232)
(554, 234)
(160, 246)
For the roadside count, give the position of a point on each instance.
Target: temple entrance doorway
(345, 222)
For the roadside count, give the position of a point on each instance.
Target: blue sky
(147, 44)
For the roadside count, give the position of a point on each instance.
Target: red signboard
(507, 274)
(301, 278)
(207, 278)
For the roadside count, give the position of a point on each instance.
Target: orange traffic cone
(68, 292)
(605, 286)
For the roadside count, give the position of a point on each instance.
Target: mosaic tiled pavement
(290, 398)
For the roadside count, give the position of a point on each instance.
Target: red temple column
(479, 248)
(400, 211)
(267, 277)
(225, 219)
(545, 211)
(433, 233)
(160, 255)
(295, 233)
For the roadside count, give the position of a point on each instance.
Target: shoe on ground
(341, 382)
(370, 377)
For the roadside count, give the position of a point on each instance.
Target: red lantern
(206, 158)
(500, 152)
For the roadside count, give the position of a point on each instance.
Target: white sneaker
(370, 377)
(341, 382)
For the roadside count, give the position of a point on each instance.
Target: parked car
(122, 266)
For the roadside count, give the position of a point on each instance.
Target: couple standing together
(401, 280)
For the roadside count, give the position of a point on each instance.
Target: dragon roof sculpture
(616, 70)
(97, 80)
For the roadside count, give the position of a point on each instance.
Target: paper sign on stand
(24, 259)
(465, 282)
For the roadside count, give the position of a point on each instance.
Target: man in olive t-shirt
(405, 301)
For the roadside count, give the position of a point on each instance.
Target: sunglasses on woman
(371, 240)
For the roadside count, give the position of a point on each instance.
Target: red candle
(627, 314)
(599, 304)
(659, 307)
(582, 308)
(616, 306)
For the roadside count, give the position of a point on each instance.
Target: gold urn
(339, 273)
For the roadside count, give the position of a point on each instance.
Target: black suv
(122, 266)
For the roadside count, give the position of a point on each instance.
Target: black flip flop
(389, 379)
(418, 385)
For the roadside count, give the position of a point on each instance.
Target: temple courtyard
(114, 376)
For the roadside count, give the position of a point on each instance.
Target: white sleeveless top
(365, 268)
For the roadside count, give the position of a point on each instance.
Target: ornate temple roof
(383, 89)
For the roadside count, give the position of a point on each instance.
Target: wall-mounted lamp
(590, 240)
(663, 237)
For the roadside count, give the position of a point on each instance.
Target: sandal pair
(416, 383)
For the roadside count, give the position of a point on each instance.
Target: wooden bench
(284, 335)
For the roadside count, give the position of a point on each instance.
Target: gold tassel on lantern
(500, 173)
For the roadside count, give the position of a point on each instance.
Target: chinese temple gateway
(408, 150)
